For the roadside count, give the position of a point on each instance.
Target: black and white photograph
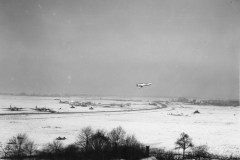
(119, 79)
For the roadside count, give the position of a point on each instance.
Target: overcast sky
(185, 48)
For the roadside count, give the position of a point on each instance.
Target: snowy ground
(218, 127)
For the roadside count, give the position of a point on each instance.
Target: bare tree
(55, 147)
(98, 145)
(131, 140)
(184, 142)
(15, 145)
(84, 138)
(132, 148)
(117, 139)
(99, 140)
(30, 147)
(3, 151)
(117, 136)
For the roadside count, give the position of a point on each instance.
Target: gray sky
(185, 48)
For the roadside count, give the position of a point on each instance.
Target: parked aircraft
(44, 109)
(63, 102)
(61, 138)
(14, 108)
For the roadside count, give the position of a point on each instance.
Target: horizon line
(105, 95)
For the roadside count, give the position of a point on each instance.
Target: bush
(199, 152)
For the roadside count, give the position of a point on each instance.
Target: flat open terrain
(157, 126)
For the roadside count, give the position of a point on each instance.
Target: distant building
(182, 99)
(220, 102)
(233, 102)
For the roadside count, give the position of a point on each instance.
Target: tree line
(102, 145)
(90, 144)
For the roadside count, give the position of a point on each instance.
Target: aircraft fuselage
(140, 85)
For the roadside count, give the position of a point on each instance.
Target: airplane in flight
(140, 85)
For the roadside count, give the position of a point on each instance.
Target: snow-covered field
(218, 127)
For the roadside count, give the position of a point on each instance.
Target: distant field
(42, 105)
(218, 127)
